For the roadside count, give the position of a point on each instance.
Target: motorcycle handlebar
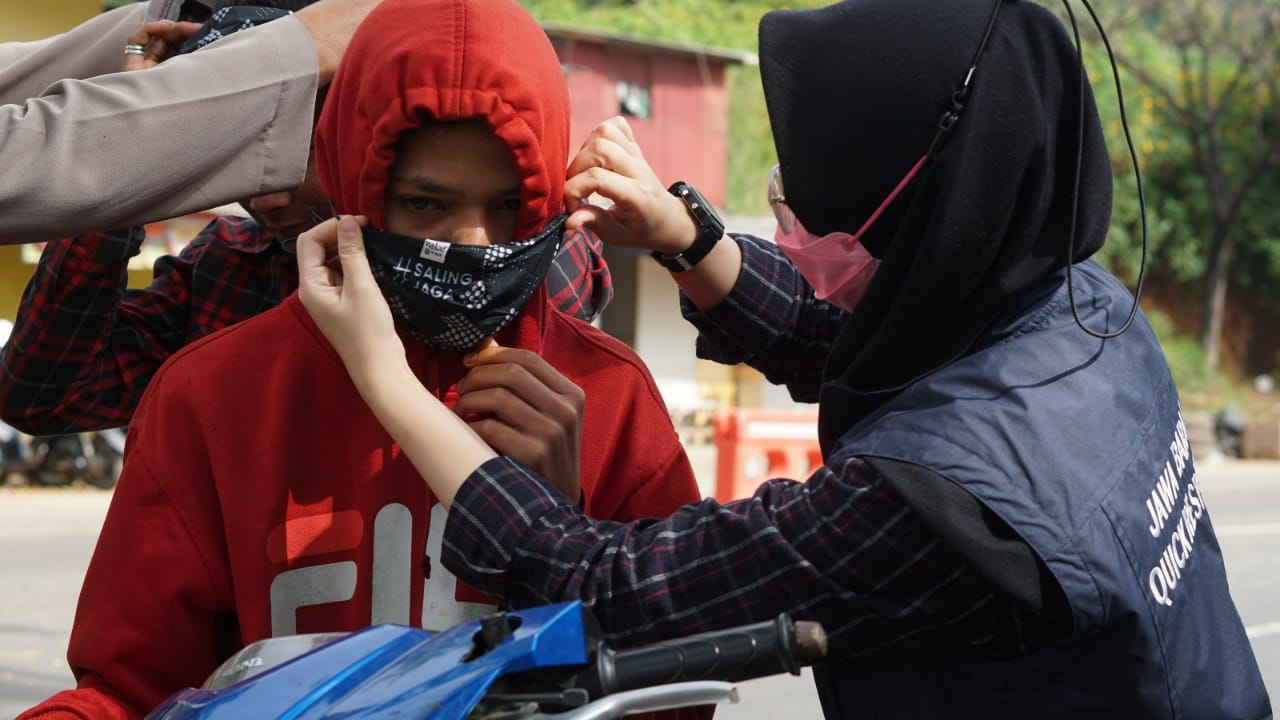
(743, 653)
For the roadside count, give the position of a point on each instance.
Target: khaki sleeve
(94, 47)
(226, 123)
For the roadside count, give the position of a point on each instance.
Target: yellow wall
(13, 278)
(18, 263)
(26, 20)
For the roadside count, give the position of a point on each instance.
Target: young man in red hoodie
(237, 517)
(85, 345)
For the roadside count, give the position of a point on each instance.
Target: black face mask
(228, 20)
(450, 296)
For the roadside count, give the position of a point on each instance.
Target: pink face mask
(837, 266)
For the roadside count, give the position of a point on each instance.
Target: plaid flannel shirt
(841, 548)
(84, 347)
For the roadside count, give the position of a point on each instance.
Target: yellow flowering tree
(1202, 78)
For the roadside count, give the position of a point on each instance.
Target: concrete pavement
(48, 537)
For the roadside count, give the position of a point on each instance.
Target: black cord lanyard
(1075, 198)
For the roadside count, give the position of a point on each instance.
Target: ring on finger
(135, 49)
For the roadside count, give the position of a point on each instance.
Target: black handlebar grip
(743, 653)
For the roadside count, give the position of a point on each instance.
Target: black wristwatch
(710, 230)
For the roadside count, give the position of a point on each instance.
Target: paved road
(47, 538)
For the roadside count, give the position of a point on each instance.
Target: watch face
(702, 210)
(710, 210)
(710, 229)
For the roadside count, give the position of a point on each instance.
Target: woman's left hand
(338, 289)
(641, 213)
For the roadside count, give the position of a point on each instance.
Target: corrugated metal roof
(647, 45)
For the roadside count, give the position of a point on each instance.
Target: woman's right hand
(337, 287)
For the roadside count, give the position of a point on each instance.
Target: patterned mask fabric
(453, 296)
(228, 20)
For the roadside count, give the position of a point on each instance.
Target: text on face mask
(432, 279)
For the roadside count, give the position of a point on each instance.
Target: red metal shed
(672, 94)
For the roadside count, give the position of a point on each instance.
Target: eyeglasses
(778, 202)
(787, 219)
(778, 199)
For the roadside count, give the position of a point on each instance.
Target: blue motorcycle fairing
(393, 671)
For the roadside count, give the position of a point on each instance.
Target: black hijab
(855, 91)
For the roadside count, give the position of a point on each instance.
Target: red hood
(447, 60)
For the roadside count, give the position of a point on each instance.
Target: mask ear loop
(314, 215)
(1075, 198)
(961, 95)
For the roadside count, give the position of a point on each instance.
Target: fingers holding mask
(317, 275)
(524, 408)
(612, 146)
(636, 210)
(336, 286)
(611, 166)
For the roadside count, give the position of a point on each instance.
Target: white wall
(664, 340)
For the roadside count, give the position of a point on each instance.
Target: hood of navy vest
(445, 60)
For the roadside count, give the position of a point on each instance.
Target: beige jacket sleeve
(228, 122)
(94, 47)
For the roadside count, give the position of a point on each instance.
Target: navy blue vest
(1079, 445)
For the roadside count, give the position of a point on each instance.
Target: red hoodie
(260, 496)
(447, 60)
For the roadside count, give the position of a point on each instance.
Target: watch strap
(710, 230)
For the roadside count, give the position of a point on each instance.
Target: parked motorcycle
(94, 458)
(15, 456)
(544, 663)
(1228, 429)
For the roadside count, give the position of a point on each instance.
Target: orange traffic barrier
(754, 445)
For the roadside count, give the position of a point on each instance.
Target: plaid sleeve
(770, 321)
(84, 347)
(579, 282)
(62, 324)
(841, 548)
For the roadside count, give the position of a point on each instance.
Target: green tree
(1208, 74)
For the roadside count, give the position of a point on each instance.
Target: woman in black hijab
(1007, 521)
